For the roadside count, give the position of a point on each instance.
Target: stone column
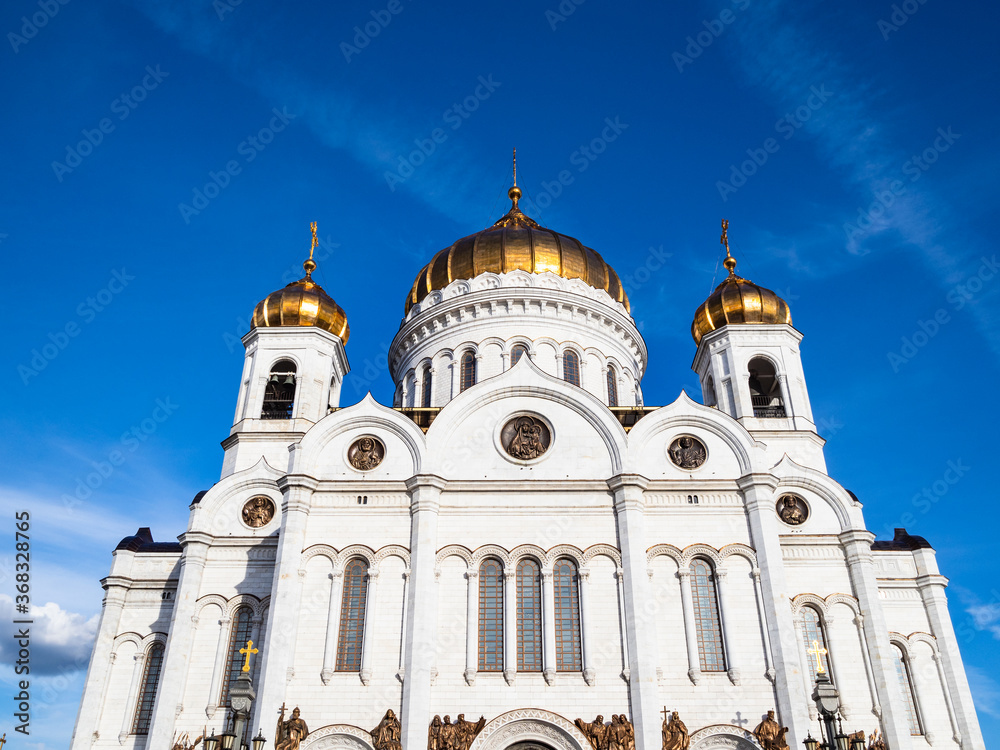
(791, 697)
(277, 653)
(857, 548)
(728, 627)
(956, 685)
(762, 620)
(509, 626)
(640, 620)
(139, 661)
(180, 640)
(859, 622)
(586, 627)
(785, 399)
(401, 672)
(472, 627)
(101, 658)
(332, 626)
(836, 667)
(420, 643)
(956, 731)
(215, 687)
(367, 645)
(549, 661)
(623, 623)
(690, 636)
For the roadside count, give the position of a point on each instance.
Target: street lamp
(259, 741)
(810, 742)
(228, 739)
(212, 743)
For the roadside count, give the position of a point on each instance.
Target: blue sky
(162, 161)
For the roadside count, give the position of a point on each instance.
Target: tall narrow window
(814, 634)
(352, 616)
(612, 387)
(765, 390)
(706, 617)
(516, 353)
(571, 367)
(279, 393)
(147, 696)
(468, 373)
(490, 616)
(906, 685)
(426, 383)
(238, 638)
(567, 616)
(529, 617)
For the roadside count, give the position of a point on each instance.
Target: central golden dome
(516, 242)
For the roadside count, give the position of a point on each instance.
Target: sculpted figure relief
(289, 734)
(443, 735)
(386, 735)
(687, 452)
(792, 510)
(675, 733)
(366, 453)
(770, 734)
(525, 438)
(876, 742)
(184, 742)
(258, 511)
(596, 732)
(618, 735)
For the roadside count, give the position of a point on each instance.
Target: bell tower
(748, 358)
(293, 370)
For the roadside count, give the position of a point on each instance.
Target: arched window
(239, 635)
(814, 634)
(490, 616)
(529, 617)
(426, 382)
(147, 696)
(710, 398)
(706, 618)
(571, 367)
(612, 387)
(516, 353)
(765, 390)
(352, 616)
(567, 616)
(279, 393)
(468, 373)
(906, 685)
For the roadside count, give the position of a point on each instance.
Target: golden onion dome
(302, 303)
(516, 242)
(738, 301)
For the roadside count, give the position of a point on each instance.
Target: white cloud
(60, 641)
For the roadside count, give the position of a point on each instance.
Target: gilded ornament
(770, 734)
(618, 735)
(386, 736)
(792, 510)
(366, 453)
(180, 743)
(687, 452)
(258, 511)
(289, 734)
(443, 735)
(675, 732)
(525, 437)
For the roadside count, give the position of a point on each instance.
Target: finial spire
(310, 265)
(730, 261)
(515, 192)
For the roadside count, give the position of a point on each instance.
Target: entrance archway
(530, 729)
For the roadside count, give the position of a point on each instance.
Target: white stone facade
(448, 497)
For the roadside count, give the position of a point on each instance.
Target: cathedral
(519, 552)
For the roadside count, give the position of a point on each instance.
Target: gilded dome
(738, 301)
(302, 303)
(516, 242)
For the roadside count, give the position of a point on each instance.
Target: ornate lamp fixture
(811, 742)
(259, 741)
(212, 743)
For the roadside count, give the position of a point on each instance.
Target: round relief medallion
(792, 510)
(258, 511)
(525, 437)
(687, 452)
(366, 453)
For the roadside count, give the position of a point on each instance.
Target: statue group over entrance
(443, 735)
(618, 735)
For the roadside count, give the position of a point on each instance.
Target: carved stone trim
(723, 736)
(530, 724)
(339, 736)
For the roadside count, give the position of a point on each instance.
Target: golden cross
(248, 650)
(3, 740)
(724, 240)
(819, 652)
(315, 241)
(515, 166)
(664, 712)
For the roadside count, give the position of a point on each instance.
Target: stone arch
(338, 737)
(320, 550)
(664, 550)
(739, 550)
(491, 550)
(393, 550)
(596, 550)
(568, 551)
(701, 550)
(529, 550)
(723, 737)
(530, 725)
(453, 550)
(358, 550)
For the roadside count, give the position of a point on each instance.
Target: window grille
(490, 617)
(147, 696)
(567, 616)
(706, 616)
(352, 616)
(529, 617)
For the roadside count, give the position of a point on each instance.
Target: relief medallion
(366, 453)
(687, 452)
(792, 510)
(525, 437)
(258, 511)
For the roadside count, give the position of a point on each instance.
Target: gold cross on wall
(664, 712)
(248, 650)
(819, 652)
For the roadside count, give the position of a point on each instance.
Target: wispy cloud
(60, 641)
